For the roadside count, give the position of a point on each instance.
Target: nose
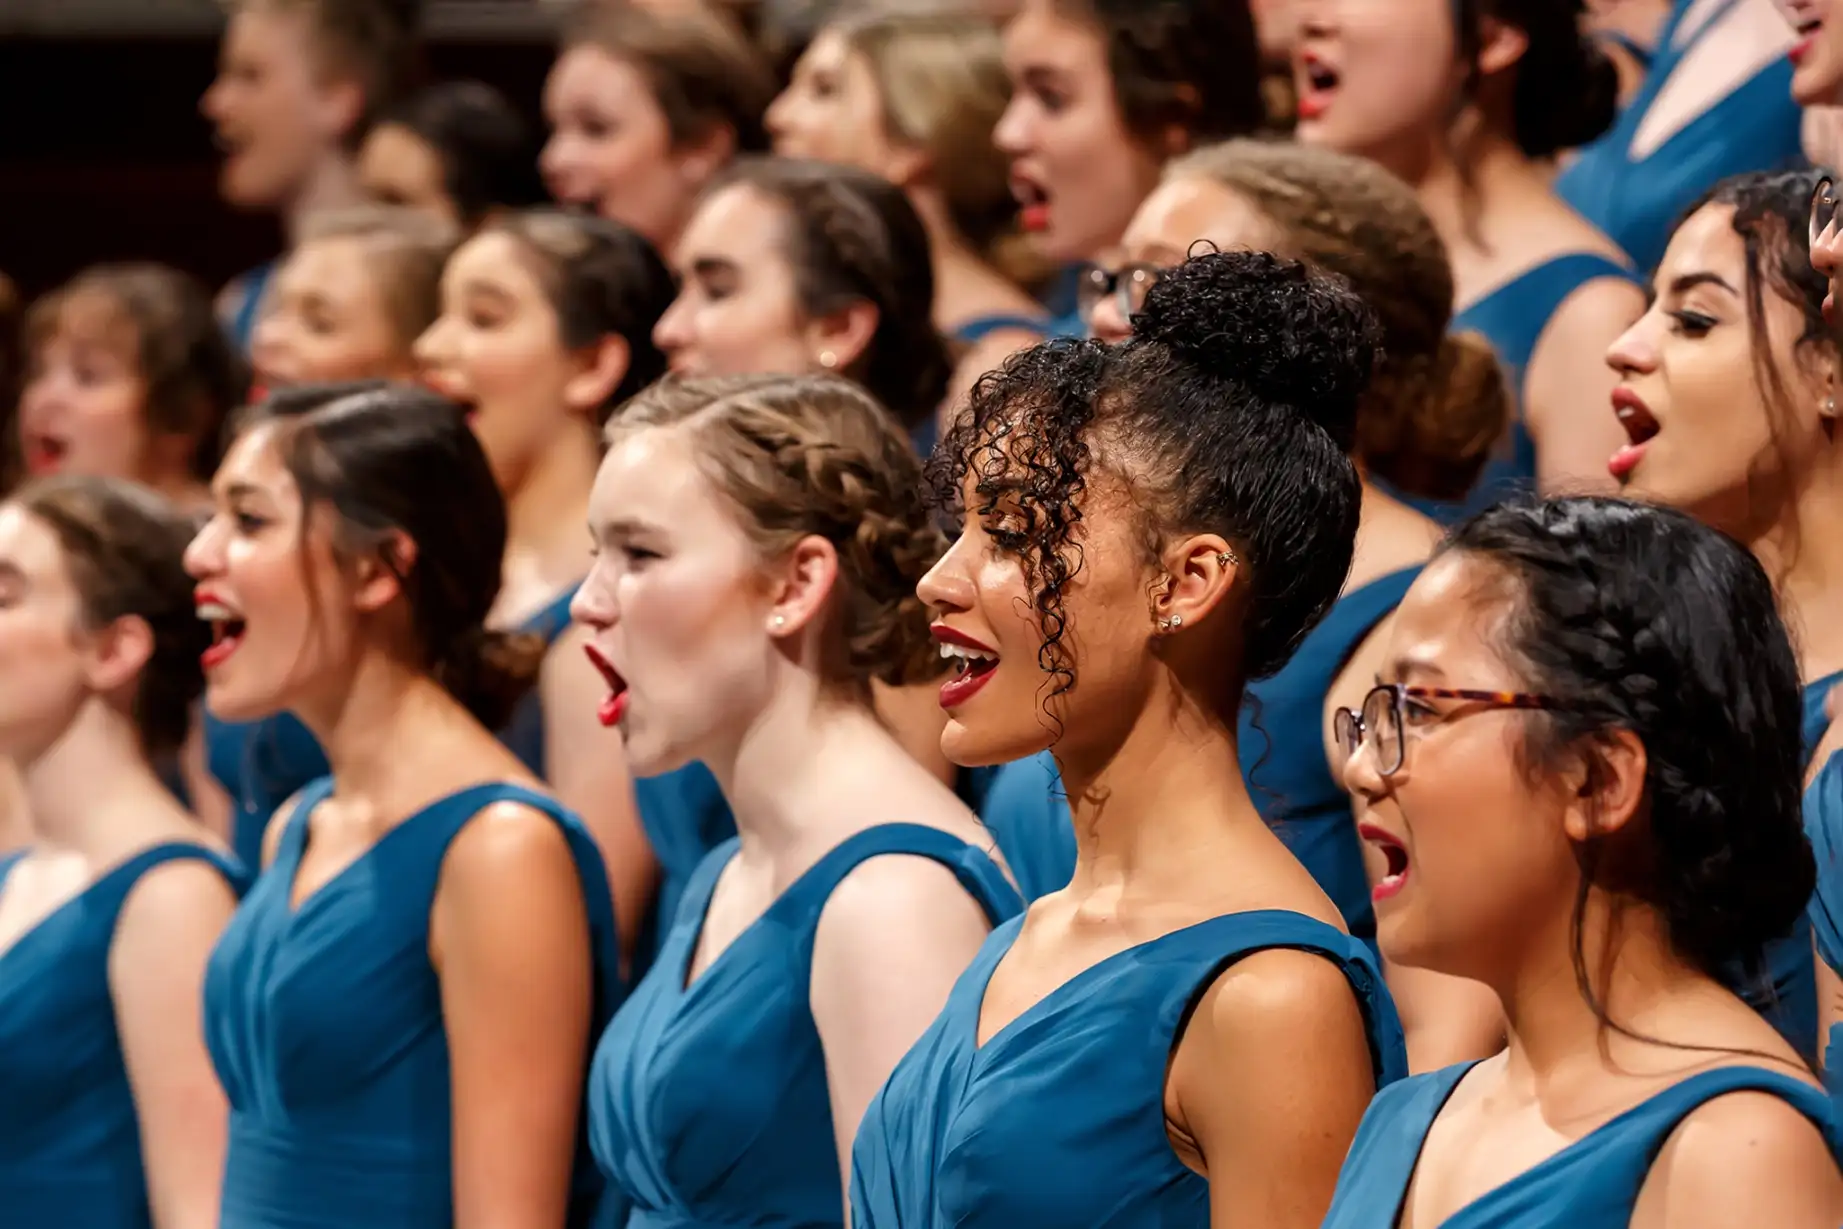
(593, 606)
(1827, 253)
(1012, 132)
(204, 557)
(1360, 775)
(432, 348)
(948, 587)
(774, 121)
(268, 341)
(1632, 352)
(673, 332)
(1106, 322)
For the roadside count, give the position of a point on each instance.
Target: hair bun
(1290, 335)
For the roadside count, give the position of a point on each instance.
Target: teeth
(212, 612)
(951, 651)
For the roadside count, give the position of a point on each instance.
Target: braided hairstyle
(1438, 403)
(1639, 618)
(853, 237)
(1232, 409)
(798, 456)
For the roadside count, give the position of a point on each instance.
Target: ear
(602, 368)
(118, 653)
(906, 165)
(1500, 45)
(703, 155)
(378, 579)
(340, 107)
(842, 336)
(802, 586)
(1607, 784)
(1175, 139)
(1199, 573)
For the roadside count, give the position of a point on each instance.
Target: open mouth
(1641, 427)
(614, 704)
(1033, 210)
(973, 664)
(227, 629)
(44, 454)
(1317, 81)
(1395, 855)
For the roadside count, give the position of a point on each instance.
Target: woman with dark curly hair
(1727, 404)
(757, 541)
(1582, 768)
(1148, 526)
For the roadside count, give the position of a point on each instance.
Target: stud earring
(1171, 624)
(1830, 407)
(827, 359)
(1227, 559)
(778, 622)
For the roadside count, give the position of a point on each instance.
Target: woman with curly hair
(757, 542)
(1147, 526)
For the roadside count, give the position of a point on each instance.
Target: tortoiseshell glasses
(1382, 720)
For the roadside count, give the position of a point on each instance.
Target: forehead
(588, 74)
(1042, 37)
(734, 223)
(828, 51)
(1182, 211)
(651, 475)
(253, 461)
(1706, 243)
(88, 316)
(497, 258)
(29, 547)
(1451, 620)
(335, 264)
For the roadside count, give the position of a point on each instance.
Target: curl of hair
(603, 280)
(1567, 88)
(489, 157)
(124, 548)
(1438, 403)
(814, 455)
(1190, 64)
(853, 237)
(1233, 407)
(1639, 618)
(399, 464)
(165, 322)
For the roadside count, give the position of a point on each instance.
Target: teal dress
(325, 1026)
(1058, 1121)
(70, 1140)
(708, 1100)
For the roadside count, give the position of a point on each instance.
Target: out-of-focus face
(1827, 257)
(281, 615)
(43, 669)
(611, 150)
(276, 118)
(397, 167)
(737, 312)
(1817, 56)
(1375, 77)
(498, 349)
(83, 409)
(832, 111)
(997, 701)
(1474, 854)
(326, 319)
(1701, 429)
(1179, 214)
(1076, 171)
(677, 605)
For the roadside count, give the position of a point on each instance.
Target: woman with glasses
(1186, 1034)
(1582, 768)
(1727, 404)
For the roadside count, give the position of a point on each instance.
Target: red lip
(1802, 48)
(614, 706)
(961, 688)
(944, 634)
(1387, 842)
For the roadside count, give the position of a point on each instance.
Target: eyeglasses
(1127, 286)
(1823, 209)
(1382, 723)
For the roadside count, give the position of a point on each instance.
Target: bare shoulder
(894, 891)
(1744, 1157)
(1278, 993)
(507, 838)
(178, 892)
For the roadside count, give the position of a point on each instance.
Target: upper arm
(509, 936)
(1270, 1080)
(1829, 1006)
(894, 937)
(1746, 1158)
(587, 770)
(163, 939)
(1567, 389)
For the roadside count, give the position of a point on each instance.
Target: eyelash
(1693, 324)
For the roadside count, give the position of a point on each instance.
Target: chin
(972, 748)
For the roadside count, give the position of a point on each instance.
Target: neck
(544, 505)
(1550, 1024)
(359, 720)
(1455, 180)
(1805, 559)
(1153, 802)
(332, 184)
(783, 776)
(94, 773)
(956, 263)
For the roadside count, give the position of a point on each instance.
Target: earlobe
(805, 583)
(1500, 45)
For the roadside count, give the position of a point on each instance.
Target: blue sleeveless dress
(709, 1103)
(70, 1142)
(1824, 825)
(1512, 318)
(1281, 738)
(243, 326)
(325, 1026)
(1592, 1183)
(1058, 1121)
(1638, 203)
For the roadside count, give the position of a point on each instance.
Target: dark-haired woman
(1727, 404)
(1582, 767)
(758, 540)
(1147, 526)
(457, 151)
(1466, 101)
(402, 1010)
(1714, 103)
(299, 83)
(111, 1118)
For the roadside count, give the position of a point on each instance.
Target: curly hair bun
(1289, 334)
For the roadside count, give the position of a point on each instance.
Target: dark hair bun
(1567, 87)
(1290, 335)
(489, 671)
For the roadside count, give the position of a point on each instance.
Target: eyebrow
(485, 290)
(710, 266)
(1689, 281)
(626, 528)
(241, 490)
(1407, 667)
